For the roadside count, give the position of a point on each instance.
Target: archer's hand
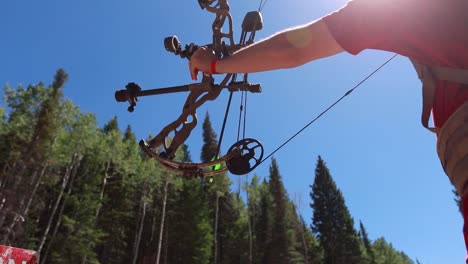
(200, 61)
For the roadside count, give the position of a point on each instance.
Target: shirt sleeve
(371, 24)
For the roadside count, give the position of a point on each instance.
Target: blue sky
(381, 158)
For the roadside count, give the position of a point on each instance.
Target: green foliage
(225, 208)
(2, 116)
(386, 254)
(25, 143)
(192, 236)
(47, 125)
(278, 248)
(263, 226)
(23, 106)
(83, 193)
(367, 244)
(314, 249)
(331, 221)
(210, 143)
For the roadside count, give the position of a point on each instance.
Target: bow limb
(221, 9)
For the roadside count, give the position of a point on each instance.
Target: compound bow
(246, 154)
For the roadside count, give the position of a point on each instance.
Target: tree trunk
(2, 213)
(101, 197)
(249, 220)
(103, 187)
(36, 185)
(163, 216)
(18, 179)
(5, 172)
(136, 245)
(216, 230)
(21, 214)
(66, 177)
(153, 223)
(166, 244)
(2, 203)
(298, 207)
(304, 244)
(60, 215)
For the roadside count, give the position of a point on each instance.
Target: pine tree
(118, 194)
(24, 106)
(46, 126)
(223, 204)
(31, 157)
(278, 249)
(366, 242)
(297, 245)
(44, 134)
(253, 202)
(315, 251)
(263, 223)
(94, 198)
(386, 253)
(191, 233)
(210, 143)
(331, 221)
(78, 136)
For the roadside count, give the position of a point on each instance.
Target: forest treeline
(80, 193)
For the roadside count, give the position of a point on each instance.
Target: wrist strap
(213, 66)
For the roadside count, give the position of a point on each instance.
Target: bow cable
(243, 100)
(326, 110)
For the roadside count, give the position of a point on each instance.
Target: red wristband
(213, 66)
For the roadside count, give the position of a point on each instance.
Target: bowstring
(327, 109)
(243, 106)
(262, 5)
(243, 100)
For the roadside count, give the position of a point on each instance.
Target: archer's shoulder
(412, 9)
(405, 4)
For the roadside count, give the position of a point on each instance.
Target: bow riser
(176, 133)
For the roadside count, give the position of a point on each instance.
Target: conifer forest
(79, 193)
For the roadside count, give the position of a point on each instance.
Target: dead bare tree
(163, 217)
(45, 254)
(298, 205)
(142, 214)
(65, 180)
(249, 219)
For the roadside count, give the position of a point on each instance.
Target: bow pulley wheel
(250, 154)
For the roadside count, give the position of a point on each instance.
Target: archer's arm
(287, 49)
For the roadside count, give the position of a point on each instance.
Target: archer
(432, 33)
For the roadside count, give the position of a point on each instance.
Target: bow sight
(172, 44)
(246, 154)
